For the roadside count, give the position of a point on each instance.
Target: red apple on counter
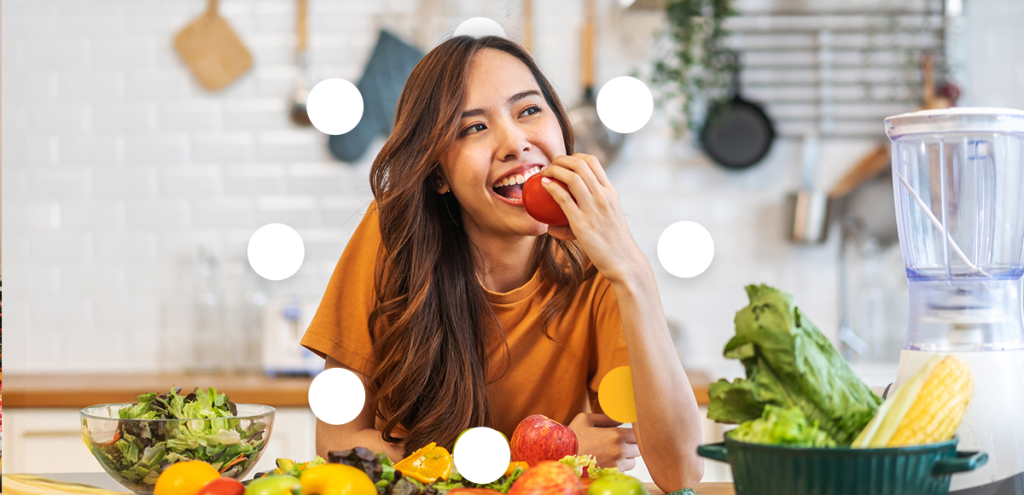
(547, 478)
(539, 438)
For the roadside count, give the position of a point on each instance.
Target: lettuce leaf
(599, 472)
(789, 363)
(782, 426)
(579, 462)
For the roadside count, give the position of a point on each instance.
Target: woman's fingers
(562, 197)
(625, 464)
(563, 232)
(630, 451)
(599, 419)
(595, 167)
(627, 435)
(581, 194)
(577, 174)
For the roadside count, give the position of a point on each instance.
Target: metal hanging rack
(840, 73)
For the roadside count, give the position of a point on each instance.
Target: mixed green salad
(207, 431)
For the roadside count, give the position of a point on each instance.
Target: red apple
(539, 438)
(547, 478)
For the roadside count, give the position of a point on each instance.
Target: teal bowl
(773, 469)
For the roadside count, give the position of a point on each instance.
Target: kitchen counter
(102, 480)
(81, 390)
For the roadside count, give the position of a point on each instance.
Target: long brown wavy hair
(431, 322)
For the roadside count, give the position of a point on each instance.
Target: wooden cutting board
(28, 484)
(710, 488)
(212, 51)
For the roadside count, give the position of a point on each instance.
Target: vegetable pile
(798, 389)
(382, 473)
(390, 481)
(207, 431)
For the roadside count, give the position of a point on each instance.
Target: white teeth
(517, 179)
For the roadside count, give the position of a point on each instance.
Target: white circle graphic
(478, 27)
(336, 396)
(685, 249)
(276, 251)
(481, 454)
(625, 104)
(334, 106)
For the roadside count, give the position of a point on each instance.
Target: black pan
(737, 133)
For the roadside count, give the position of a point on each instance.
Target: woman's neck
(503, 263)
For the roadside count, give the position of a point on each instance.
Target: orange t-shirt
(555, 379)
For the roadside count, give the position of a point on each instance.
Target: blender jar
(958, 179)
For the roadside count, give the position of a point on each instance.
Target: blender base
(991, 423)
(1013, 485)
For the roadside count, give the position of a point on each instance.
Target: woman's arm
(358, 433)
(668, 426)
(667, 429)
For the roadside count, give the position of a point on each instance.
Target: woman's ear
(440, 184)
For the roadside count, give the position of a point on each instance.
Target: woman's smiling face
(507, 130)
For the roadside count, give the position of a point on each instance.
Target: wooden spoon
(298, 112)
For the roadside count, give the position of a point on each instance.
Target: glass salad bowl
(135, 451)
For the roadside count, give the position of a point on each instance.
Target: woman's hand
(595, 217)
(600, 437)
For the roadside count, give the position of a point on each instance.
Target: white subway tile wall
(120, 168)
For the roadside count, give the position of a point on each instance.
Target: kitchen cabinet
(50, 440)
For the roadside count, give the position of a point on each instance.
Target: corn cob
(926, 409)
(939, 407)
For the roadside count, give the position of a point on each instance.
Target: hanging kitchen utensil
(591, 135)
(869, 166)
(737, 133)
(528, 25)
(863, 197)
(297, 111)
(390, 65)
(211, 50)
(808, 207)
(930, 97)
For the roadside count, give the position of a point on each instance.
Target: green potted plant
(699, 67)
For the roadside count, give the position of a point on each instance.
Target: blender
(958, 180)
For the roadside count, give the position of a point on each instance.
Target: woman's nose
(512, 142)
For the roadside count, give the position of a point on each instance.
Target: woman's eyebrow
(512, 99)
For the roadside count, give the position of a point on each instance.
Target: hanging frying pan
(737, 133)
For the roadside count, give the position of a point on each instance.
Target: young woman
(458, 309)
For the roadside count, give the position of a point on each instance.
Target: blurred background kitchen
(131, 190)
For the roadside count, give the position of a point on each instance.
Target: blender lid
(956, 119)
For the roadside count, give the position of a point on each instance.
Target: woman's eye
(530, 111)
(473, 128)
